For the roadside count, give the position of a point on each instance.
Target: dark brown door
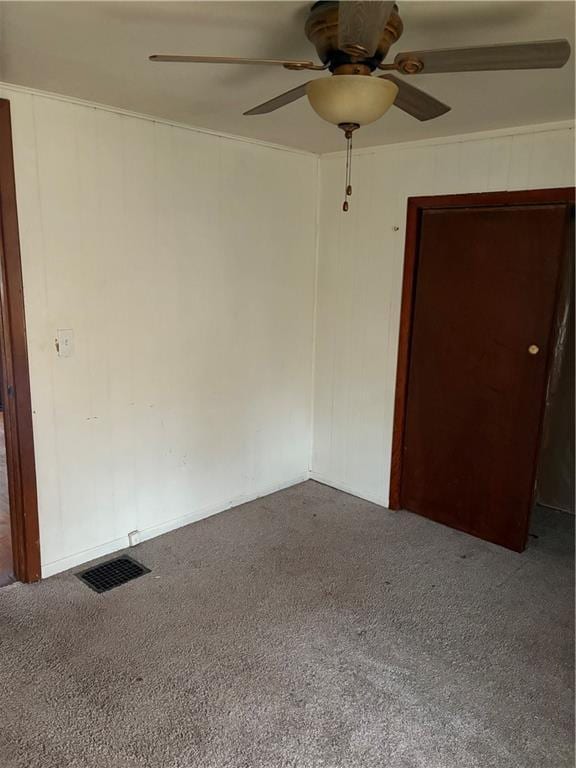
(484, 304)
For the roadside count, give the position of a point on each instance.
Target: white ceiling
(98, 51)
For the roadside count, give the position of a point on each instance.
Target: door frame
(20, 460)
(416, 207)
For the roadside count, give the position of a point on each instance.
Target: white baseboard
(86, 555)
(375, 499)
(214, 509)
(79, 558)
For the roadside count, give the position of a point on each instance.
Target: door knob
(533, 349)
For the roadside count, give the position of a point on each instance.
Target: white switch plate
(65, 342)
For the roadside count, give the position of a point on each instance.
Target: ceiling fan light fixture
(359, 99)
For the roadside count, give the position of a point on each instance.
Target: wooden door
(483, 309)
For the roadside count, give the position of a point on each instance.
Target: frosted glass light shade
(351, 98)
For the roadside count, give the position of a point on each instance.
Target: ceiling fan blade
(288, 63)
(415, 102)
(542, 54)
(360, 25)
(279, 101)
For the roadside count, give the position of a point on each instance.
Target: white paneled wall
(184, 263)
(186, 266)
(360, 274)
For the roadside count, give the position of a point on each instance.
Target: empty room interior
(287, 384)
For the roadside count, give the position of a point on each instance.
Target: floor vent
(112, 573)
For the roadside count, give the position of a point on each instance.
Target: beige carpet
(308, 629)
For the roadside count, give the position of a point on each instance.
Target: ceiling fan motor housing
(322, 31)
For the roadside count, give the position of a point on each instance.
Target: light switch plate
(65, 342)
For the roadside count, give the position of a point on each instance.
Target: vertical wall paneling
(211, 284)
(360, 277)
(184, 264)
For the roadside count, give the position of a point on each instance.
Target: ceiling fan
(352, 39)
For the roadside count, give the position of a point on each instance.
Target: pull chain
(349, 129)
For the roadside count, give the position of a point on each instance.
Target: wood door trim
(416, 206)
(16, 381)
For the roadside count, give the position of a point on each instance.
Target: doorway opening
(484, 287)
(22, 549)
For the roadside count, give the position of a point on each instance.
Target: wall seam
(315, 314)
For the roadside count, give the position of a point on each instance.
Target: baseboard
(214, 509)
(85, 556)
(380, 500)
(80, 558)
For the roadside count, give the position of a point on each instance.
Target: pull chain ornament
(348, 129)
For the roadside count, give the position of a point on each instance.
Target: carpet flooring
(307, 629)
